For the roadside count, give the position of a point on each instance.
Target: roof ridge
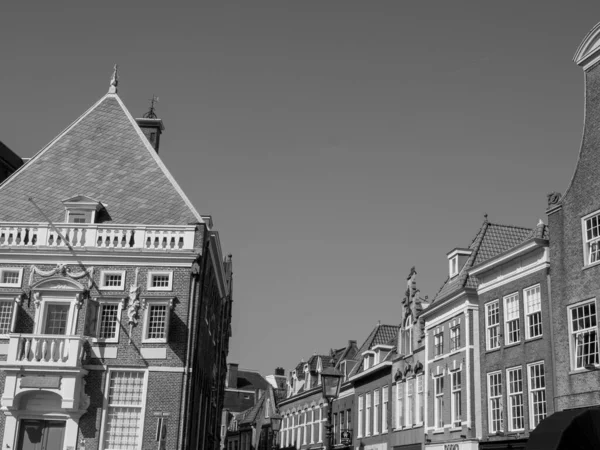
(509, 226)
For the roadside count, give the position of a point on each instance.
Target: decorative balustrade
(45, 350)
(165, 238)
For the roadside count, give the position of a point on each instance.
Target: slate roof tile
(103, 156)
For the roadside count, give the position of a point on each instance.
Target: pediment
(58, 284)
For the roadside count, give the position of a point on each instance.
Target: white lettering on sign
(451, 447)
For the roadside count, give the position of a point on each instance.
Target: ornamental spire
(114, 81)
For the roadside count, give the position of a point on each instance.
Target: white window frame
(588, 240)
(489, 327)
(509, 301)
(153, 273)
(420, 408)
(534, 388)
(13, 320)
(42, 311)
(359, 433)
(11, 269)
(515, 396)
(106, 405)
(438, 407)
(574, 336)
(492, 429)
(376, 395)
(455, 337)
(453, 266)
(438, 344)
(399, 405)
(530, 312)
(103, 275)
(384, 409)
(410, 403)
(147, 304)
(321, 424)
(101, 304)
(368, 414)
(456, 397)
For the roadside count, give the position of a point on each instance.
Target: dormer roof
(102, 155)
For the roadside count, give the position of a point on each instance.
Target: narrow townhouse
(515, 341)
(408, 373)
(371, 379)
(453, 411)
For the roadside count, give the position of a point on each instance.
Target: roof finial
(485, 217)
(114, 80)
(151, 114)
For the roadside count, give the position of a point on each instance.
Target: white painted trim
(477, 378)
(105, 367)
(147, 302)
(584, 240)
(467, 367)
(371, 370)
(152, 273)
(157, 159)
(103, 274)
(19, 283)
(489, 264)
(486, 287)
(429, 324)
(10, 298)
(245, 391)
(347, 393)
(104, 301)
(57, 298)
(429, 311)
(108, 259)
(570, 324)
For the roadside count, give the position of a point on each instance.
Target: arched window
(407, 336)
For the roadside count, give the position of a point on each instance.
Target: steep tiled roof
(248, 379)
(381, 334)
(491, 240)
(103, 155)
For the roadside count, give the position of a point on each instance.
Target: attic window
(454, 266)
(81, 209)
(79, 216)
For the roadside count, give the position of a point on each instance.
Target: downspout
(548, 283)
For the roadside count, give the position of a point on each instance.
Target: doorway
(41, 435)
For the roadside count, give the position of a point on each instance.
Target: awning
(572, 429)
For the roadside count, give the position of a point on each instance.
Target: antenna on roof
(151, 114)
(114, 80)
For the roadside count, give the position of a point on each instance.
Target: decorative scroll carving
(19, 298)
(37, 299)
(134, 303)
(554, 198)
(398, 375)
(62, 270)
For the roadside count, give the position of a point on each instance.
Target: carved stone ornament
(554, 198)
(62, 270)
(418, 367)
(37, 299)
(398, 375)
(19, 298)
(407, 369)
(84, 399)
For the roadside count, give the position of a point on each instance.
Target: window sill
(491, 350)
(456, 428)
(537, 338)
(437, 358)
(454, 352)
(105, 341)
(438, 431)
(512, 344)
(589, 266)
(583, 370)
(154, 341)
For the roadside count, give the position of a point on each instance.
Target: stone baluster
(44, 355)
(27, 348)
(64, 350)
(53, 357)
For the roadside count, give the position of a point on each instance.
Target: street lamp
(275, 426)
(331, 380)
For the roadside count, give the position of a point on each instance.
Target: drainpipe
(548, 278)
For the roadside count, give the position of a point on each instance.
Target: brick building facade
(115, 298)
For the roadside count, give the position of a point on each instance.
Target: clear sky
(335, 143)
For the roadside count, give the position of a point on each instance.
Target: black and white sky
(335, 143)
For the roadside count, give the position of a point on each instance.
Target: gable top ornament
(114, 80)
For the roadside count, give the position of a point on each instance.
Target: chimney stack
(232, 375)
(279, 371)
(151, 125)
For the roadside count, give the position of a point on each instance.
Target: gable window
(495, 401)
(439, 402)
(113, 280)
(438, 340)
(10, 277)
(453, 263)
(537, 393)
(533, 312)
(591, 238)
(456, 398)
(455, 337)
(8, 309)
(584, 334)
(511, 317)
(516, 418)
(160, 281)
(156, 320)
(492, 325)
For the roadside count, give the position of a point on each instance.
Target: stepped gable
(102, 155)
(491, 240)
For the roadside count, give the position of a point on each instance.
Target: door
(41, 435)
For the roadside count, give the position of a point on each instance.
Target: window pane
(10, 276)
(112, 280)
(6, 311)
(56, 318)
(157, 319)
(160, 280)
(124, 413)
(109, 321)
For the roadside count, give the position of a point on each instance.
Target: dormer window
(369, 360)
(456, 260)
(81, 209)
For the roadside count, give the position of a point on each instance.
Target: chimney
(232, 375)
(151, 125)
(279, 371)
